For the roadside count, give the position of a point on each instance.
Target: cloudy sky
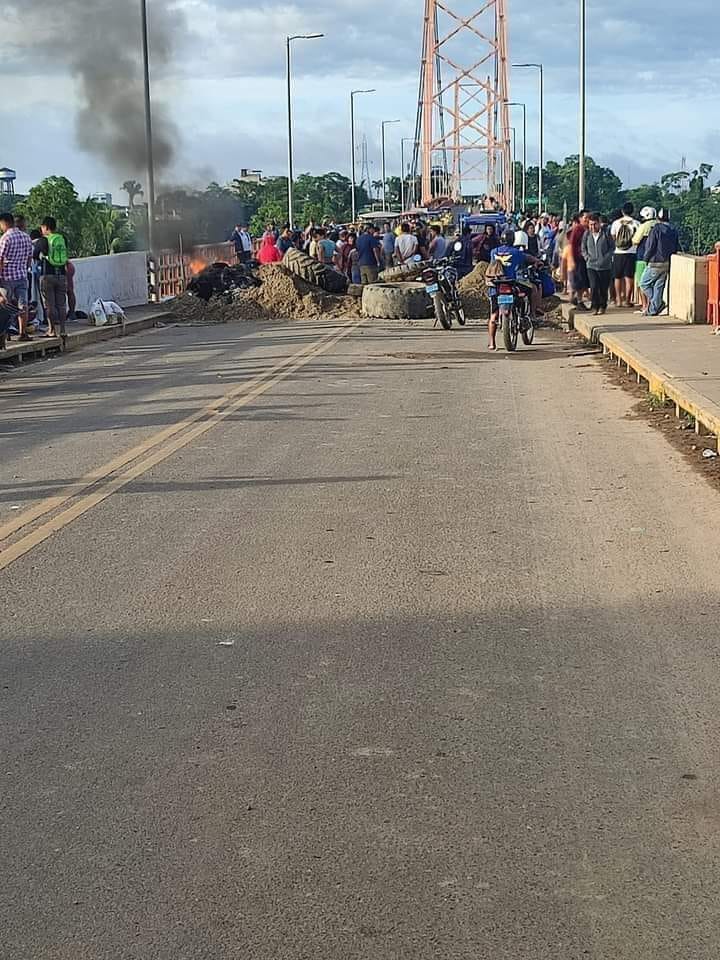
(654, 83)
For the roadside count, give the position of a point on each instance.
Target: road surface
(352, 643)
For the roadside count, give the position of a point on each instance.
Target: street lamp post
(539, 67)
(583, 112)
(384, 184)
(516, 103)
(353, 94)
(403, 141)
(288, 41)
(148, 128)
(513, 140)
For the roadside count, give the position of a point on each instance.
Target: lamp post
(539, 67)
(384, 184)
(288, 42)
(353, 94)
(148, 127)
(513, 140)
(403, 141)
(516, 103)
(583, 112)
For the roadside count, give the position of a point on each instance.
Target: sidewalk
(82, 333)
(679, 361)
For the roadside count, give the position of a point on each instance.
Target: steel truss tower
(463, 128)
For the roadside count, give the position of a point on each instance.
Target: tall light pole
(384, 184)
(403, 141)
(512, 137)
(539, 67)
(516, 103)
(148, 128)
(583, 112)
(353, 94)
(288, 41)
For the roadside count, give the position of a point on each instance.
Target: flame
(196, 265)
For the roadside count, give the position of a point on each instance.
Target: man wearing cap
(648, 217)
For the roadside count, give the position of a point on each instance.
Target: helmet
(508, 237)
(521, 238)
(648, 213)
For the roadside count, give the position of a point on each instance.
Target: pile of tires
(405, 271)
(396, 301)
(312, 271)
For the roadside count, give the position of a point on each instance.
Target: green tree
(55, 197)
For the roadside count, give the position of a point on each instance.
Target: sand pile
(473, 291)
(282, 296)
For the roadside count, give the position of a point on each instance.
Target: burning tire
(319, 274)
(396, 301)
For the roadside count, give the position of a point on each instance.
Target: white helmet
(521, 239)
(648, 213)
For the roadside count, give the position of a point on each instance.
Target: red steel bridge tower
(462, 134)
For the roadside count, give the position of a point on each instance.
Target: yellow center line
(167, 443)
(52, 503)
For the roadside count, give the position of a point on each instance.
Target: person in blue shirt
(369, 249)
(662, 243)
(512, 259)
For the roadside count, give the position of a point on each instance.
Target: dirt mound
(282, 296)
(473, 291)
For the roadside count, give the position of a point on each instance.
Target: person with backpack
(53, 283)
(625, 258)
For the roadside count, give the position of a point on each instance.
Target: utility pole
(541, 132)
(288, 42)
(583, 110)
(148, 128)
(384, 183)
(353, 94)
(515, 103)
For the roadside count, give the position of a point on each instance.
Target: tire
(396, 301)
(318, 274)
(459, 311)
(404, 272)
(528, 335)
(442, 312)
(509, 328)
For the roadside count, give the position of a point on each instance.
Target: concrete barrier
(688, 294)
(121, 277)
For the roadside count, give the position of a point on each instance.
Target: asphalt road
(402, 650)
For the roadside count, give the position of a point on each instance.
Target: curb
(76, 341)
(661, 383)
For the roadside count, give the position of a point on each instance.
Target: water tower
(7, 182)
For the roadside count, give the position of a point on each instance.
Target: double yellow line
(99, 484)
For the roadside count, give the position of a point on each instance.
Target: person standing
(437, 247)
(326, 249)
(369, 250)
(243, 243)
(485, 243)
(648, 217)
(623, 230)
(388, 245)
(53, 284)
(465, 256)
(15, 262)
(597, 250)
(662, 243)
(285, 240)
(405, 244)
(577, 268)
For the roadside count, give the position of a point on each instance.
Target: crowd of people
(36, 280)
(618, 259)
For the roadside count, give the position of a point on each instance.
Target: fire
(196, 266)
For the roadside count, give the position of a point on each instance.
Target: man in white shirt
(625, 258)
(406, 244)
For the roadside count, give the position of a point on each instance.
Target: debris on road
(709, 454)
(277, 295)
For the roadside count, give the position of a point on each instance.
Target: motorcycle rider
(512, 258)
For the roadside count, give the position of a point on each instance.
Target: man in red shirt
(578, 277)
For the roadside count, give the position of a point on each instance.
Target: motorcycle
(440, 279)
(515, 313)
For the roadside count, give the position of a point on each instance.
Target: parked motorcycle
(440, 279)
